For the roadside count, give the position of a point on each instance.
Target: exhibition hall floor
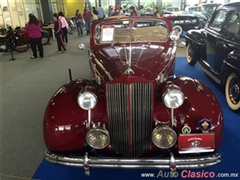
(26, 86)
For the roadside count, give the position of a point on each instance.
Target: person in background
(156, 12)
(34, 28)
(95, 15)
(100, 12)
(58, 33)
(116, 11)
(64, 26)
(132, 11)
(110, 11)
(121, 11)
(87, 15)
(78, 21)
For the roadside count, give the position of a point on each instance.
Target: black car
(181, 22)
(204, 12)
(217, 50)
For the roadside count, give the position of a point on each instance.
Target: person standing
(64, 26)
(132, 11)
(95, 15)
(78, 21)
(58, 33)
(34, 28)
(100, 11)
(121, 11)
(110, 11)
(88, 18)
(156, 12)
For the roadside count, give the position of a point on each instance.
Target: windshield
(209, 8)
(192, 9)
(127, 30)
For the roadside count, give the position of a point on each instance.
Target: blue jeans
(79, 28)
(88, 26)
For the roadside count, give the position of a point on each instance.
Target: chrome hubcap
(234, 91)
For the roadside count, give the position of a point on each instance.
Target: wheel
(232, 91)
(178, 29)
(45, 37)
(189, 55)
(21, 45)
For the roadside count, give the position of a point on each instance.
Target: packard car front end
(135, 113)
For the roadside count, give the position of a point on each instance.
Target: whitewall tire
(232, 91)
(189, 55)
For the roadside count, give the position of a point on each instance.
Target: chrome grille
(129, 123)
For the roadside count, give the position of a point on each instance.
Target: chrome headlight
(98, 138)
(164, 137)
(174, 35)
(87, 100)
(173, 98)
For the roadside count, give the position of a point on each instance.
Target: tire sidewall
(230, 77)
(190, 61)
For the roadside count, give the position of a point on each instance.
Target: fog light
(98, 138)
(164, 137)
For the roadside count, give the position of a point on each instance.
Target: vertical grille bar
(140, 117)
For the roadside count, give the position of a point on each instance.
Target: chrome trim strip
(234, 67)
(89, 120)
(173, 120)
(209, 73)
(106, 162)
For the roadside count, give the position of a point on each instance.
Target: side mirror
(81, 46)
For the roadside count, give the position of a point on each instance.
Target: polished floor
(26, 86)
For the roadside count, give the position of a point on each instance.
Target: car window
(233, 24)
(134, 31)
(218, 21)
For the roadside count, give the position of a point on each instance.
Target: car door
(214, 34)
(230, 34)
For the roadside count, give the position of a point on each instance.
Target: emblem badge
(186, 129)
(205, 124)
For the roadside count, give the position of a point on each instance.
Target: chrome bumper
(171, 163)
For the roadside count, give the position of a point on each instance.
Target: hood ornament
(129, 71)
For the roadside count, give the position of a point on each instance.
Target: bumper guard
(171, 163)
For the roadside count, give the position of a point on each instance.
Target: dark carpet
(229, 168)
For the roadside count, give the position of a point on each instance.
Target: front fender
(65, 123)
(196, 36)
(231, 64)
(200, 102)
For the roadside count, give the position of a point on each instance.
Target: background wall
(73, 5)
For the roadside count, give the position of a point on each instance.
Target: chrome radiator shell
(129, 108)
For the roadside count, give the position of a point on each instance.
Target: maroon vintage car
(135, 108)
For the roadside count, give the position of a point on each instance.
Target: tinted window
(218, 21)
(233, 24)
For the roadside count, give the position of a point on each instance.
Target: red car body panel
(65, 123)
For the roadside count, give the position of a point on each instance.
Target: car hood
(146, 60)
